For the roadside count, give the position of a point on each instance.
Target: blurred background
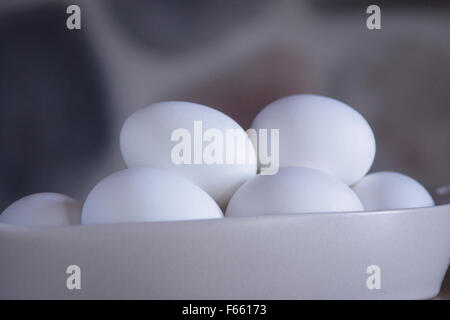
(65, 94)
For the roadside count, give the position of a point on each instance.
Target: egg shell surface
(45, 209)
(320, 133)
(292, 190)
(386, 190)
(147, 194)
(147, 140)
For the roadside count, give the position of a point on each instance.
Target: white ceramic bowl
(306, 256)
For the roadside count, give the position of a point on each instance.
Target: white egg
(164, 135)
(391, 190)
(147, 194)
(292, 190)
(320, 133)
(43, 209)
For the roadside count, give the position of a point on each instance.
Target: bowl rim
(280, 216)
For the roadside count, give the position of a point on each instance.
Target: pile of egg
(326, 148)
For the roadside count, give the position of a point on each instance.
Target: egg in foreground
(147, 194)
(386, 190)
(45, 209)
(292, 190)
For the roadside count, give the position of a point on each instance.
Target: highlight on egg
(387, 190)
(320, 133)
(147, 194)
(292, 190)
(45, 209)
(191, 140)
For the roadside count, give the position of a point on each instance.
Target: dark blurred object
(337, 6)
(441, 194)
(174, 26)
(248, 87)
(52, 105)
(445, 288)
